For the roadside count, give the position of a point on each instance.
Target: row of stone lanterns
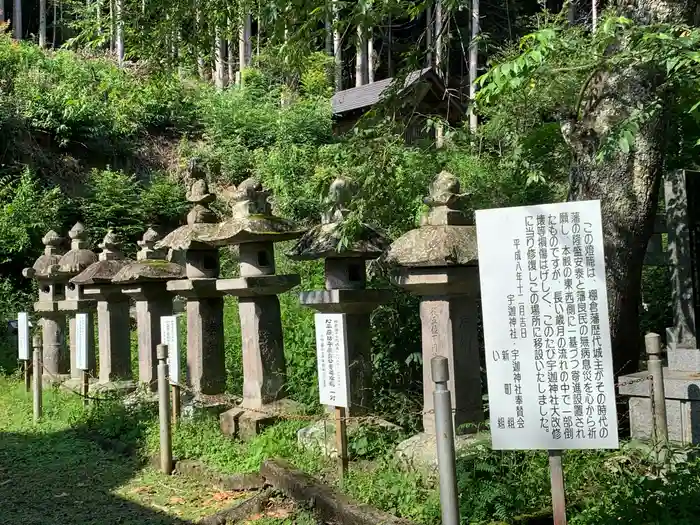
(437, 261)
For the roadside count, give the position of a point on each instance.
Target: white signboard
(332, 358)
(169, 335)
(546, 329)
(81, 341)
(23, 336)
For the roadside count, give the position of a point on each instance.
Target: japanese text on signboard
(331, 351)
(546, 330)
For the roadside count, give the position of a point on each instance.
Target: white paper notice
(169, 335)
(81, 343)
(546, 329)
(23, 336)
(332, 357)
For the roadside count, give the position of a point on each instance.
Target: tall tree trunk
(119, 30)
(2, 11)
(473, 65)
(439, 64)
(244, 44)
(17, 20)
(429, 36)
(329, 36)
(389, 49)
(98, 7)
(220, 60)
(54, 26)
(112, 26)
(361, 57)
(594, 14)
(572, 12)
(231, 49)
(337, 48)
(201, 65)
(42, 24)
(371, 57)
(627, 184)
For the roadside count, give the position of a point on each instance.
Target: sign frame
(332, 364)
(81, 341)
(23, 343)
(507, 238)
(170, 335)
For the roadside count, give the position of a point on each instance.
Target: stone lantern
(346, 281)
(146, 282)
(438, 262)
(254, 229)
(77, 259)
(206, 366)
(56, 362)
(113, 320)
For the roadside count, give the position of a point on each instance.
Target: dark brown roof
(365, 96)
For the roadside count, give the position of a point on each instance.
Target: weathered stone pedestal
(439, 262)
(77, 259)
(113, 321)
(56, 360)
(145, 281)
(254, 229)
(682, 376)
(206, 366)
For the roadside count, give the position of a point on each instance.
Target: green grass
(89, 467)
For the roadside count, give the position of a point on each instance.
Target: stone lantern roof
(202, 222)
(323, 240)
(446, 237)
(150, 264)
(252, 219)
(78, 258)
(51, 257)
(110, 261)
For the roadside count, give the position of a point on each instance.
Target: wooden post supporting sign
(556, 474)
(333, 381)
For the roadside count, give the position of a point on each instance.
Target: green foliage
(564, 60)
(118, 201)
(88, 101)
(27, 212)
(112, 203)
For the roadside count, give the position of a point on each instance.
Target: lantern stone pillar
(346, 285)
(145, 281)
(254, 229)
(206, 365)
(113, 320)
(439, 262)
(77, 259)
(55, 358)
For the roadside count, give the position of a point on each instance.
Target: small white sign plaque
(81, 342)
(332, 357)
(546, 329)
(23, 336)
(169, 335)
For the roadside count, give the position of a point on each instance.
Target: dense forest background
(102, 103)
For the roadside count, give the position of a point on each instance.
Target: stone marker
(77, 259)
(113, 322)
(682, 377)
(206, 367)
(438, 261)
(254, 229)
(55, 358)
(346, 284)
(146, 282)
